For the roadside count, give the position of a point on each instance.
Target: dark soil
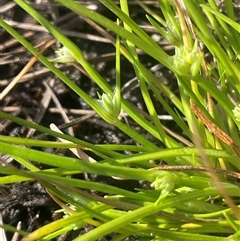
(29, 203)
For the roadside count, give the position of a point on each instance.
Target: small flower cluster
(188, 61)
(236, 112)
(63, 56)
(166, 183)
(111, 105)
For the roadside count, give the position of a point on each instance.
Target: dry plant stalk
(215, 129)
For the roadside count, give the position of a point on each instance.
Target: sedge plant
(192, 195)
